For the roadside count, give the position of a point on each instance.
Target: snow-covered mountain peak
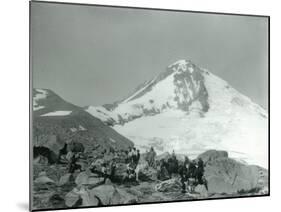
(181, 65)
(183, 86)
(180, 87)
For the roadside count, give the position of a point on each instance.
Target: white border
(14, 105)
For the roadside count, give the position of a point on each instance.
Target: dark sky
(95, 55)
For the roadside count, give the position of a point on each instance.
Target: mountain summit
(190, 110)
(180, 87)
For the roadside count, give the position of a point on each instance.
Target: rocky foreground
(54, 187)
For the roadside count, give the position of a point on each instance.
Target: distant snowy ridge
(39, 94)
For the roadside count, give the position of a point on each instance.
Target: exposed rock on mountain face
(46, 101)
(190, 110)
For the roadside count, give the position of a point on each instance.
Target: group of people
(132, 160)
(107, 169)
(150, 157)
(133, 156)
(192, 174)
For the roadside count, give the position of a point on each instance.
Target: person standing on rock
(152, 155)
(130, 155)
(104, 172)
(183, 176)
(200, 173)
(138, 156)
(134, 155)
(113, 167)
(192, 169)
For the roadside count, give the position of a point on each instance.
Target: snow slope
(58, 113)
(190, 110)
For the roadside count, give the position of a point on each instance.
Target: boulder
(172, 185)
(57, 201)
(71, 199)
(86, 178)
(80, 196)
(201, 189)
(211, 155)
(225, 175)
(264, 190)
(82, 178)
(66, 179)
(43, 179)
(126, 198)
(110, 195)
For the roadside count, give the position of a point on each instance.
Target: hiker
(200, 170)
(174, 155)
(116, 156)
(163, 173)
(191, 169)
(151, 157)
(138, 156)
(186, 160)
(73, 163)
(104, 172)
(130, 173)
(69, 155)
(192, 176)
(183, 172)
(62, 154)
(113, 167)
(99, 168)
(130, 155)
(200, 173)
(172, 164)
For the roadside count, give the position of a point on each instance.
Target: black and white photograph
(138, 105)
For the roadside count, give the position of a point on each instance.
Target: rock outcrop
(226, 175)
